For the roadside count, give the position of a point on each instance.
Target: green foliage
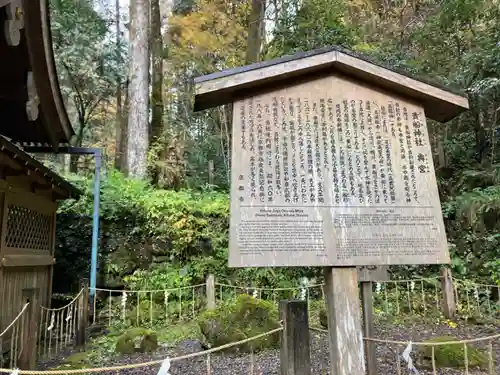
(75, 361)
(317, 313)
(315, 24)
(137, 340)
(450, 41)
(240, 319)
(86, 58)
(141, 226)
(175, 333)
(156, 239)
(453, 355)
(159, 277)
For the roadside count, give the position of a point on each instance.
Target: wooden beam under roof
(14, 162)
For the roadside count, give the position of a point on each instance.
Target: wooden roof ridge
(441, 103)
(29, 163)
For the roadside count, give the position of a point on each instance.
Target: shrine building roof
(31, 106)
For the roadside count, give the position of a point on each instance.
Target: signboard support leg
(367, 301)
(344, 321)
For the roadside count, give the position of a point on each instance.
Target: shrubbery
(238, 320)
(156, 239)
(153, 239)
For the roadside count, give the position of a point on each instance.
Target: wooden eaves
(440, 103)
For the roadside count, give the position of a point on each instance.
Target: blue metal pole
(95, 226)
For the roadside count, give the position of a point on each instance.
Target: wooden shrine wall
(26, 248)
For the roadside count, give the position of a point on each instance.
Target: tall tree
(85, 63)
(157, 80)
(255, 31)
(138, 90)
(120, 131)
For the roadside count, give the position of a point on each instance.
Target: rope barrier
(461, 281)
(410, 280)
(15, 319)
(318, 329)
(147, 290)
(320, 285)
(466, 341)
(229, 345)
(269, 289)
(62, 308)
(395, 342)
(143, 364)
(472, 283)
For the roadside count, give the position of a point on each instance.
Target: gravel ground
(267, 363)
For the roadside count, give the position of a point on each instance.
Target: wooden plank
(370, 349)
(373, 273)
(428, 95)
(448, 301)
(83, 314)
(23, 198)
(295, 354)
(25, 260)
(51, 267)
(2, 283)
(211, 292)
(331, 172)
(344, 321)
(13, 158)
(28, 355)
(4, 3)
(15, 280)
(252, 78)
(220, 88)
(39, 45)
(4, 287)
(366, 276)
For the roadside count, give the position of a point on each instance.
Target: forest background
(126, 71)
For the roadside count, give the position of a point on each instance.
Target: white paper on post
(407, 358)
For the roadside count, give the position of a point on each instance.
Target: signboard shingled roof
(440, 103)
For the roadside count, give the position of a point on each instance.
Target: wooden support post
(295, 352)
(211, 172)
(448, 302)
(367, 301)
(83, 314)
(211, 292)
(27, 360)
(344, 321)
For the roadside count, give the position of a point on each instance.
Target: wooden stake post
(295, 352)
(332, 167)
(83, 314)
(367, 275)
(28, 355)
(448, 303)
(210, 292)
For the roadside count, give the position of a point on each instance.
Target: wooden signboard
(332, 172)
(331, 166)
